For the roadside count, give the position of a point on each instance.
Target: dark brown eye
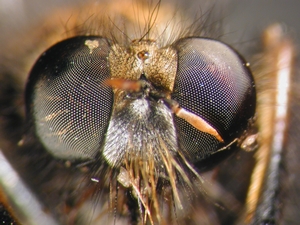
(213, 82)
(66, 98)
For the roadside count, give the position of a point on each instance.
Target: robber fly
(134, 113)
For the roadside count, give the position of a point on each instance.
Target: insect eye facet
(214, 83)
(66, 97)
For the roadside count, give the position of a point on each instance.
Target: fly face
(153, 111)
(122, 121)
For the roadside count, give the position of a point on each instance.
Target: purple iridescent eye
(213, 82)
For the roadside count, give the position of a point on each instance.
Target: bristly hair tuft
(125, 21)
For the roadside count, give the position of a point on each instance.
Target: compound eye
(214, 83)
(66, 98)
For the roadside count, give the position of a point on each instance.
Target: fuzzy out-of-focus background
(243, 20)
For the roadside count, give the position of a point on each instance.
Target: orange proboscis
(197, 122)
(124, 84)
